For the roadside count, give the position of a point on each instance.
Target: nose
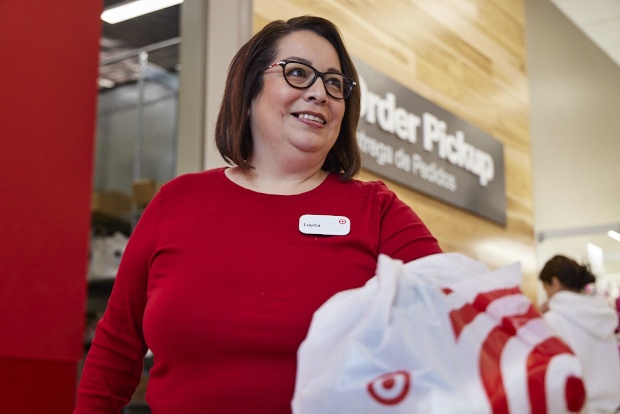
(317, 91)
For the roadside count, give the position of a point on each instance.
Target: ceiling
(598, 19)
(157, 33)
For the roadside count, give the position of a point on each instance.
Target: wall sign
(409, 140)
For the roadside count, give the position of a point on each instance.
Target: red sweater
(220, 284)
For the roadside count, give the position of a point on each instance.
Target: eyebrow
(307, 62)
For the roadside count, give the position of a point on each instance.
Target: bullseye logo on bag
(390, 388)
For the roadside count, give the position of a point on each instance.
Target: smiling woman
(318, 48)
(226, 267)
(293, 128)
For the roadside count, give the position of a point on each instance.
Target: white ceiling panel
(598, 19)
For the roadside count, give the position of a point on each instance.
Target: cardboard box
(144, 190)
(111, 203)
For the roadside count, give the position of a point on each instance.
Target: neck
(268, 181)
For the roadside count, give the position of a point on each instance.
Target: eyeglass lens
(300, 75)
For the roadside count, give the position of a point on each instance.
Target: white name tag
(324, 225)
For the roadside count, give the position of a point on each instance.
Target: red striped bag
(442, 334)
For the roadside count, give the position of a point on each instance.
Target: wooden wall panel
(467, 56)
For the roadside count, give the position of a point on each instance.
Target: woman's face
(297, 127)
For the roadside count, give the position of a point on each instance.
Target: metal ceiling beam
(576, 231)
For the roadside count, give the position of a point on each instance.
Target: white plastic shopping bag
(442, 334)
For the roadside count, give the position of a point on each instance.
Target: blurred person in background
(587, 324)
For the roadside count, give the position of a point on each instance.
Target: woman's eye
(335, 83)
(297, 72)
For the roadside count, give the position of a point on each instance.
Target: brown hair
(571, 274)
(244, 82)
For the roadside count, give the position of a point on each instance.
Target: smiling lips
(309, 117)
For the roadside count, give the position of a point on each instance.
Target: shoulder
(375, 188)
(374, 194)
(378, 195)
(189, 188)
(562, 301)
(191, 182)
(193, 179)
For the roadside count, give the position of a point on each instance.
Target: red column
(48, 94)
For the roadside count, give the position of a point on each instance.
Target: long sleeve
(114, 362)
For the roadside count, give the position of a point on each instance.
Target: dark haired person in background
(587, 324)
(226, 267)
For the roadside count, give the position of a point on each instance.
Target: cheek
(339, 115)
(335, 129)
(277, 95)
(337, 110)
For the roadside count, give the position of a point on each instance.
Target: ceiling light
(136, 8)
(614, 235)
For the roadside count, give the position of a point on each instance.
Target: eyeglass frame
(317, 74)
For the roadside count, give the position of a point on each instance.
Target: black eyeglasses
(302, 76)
